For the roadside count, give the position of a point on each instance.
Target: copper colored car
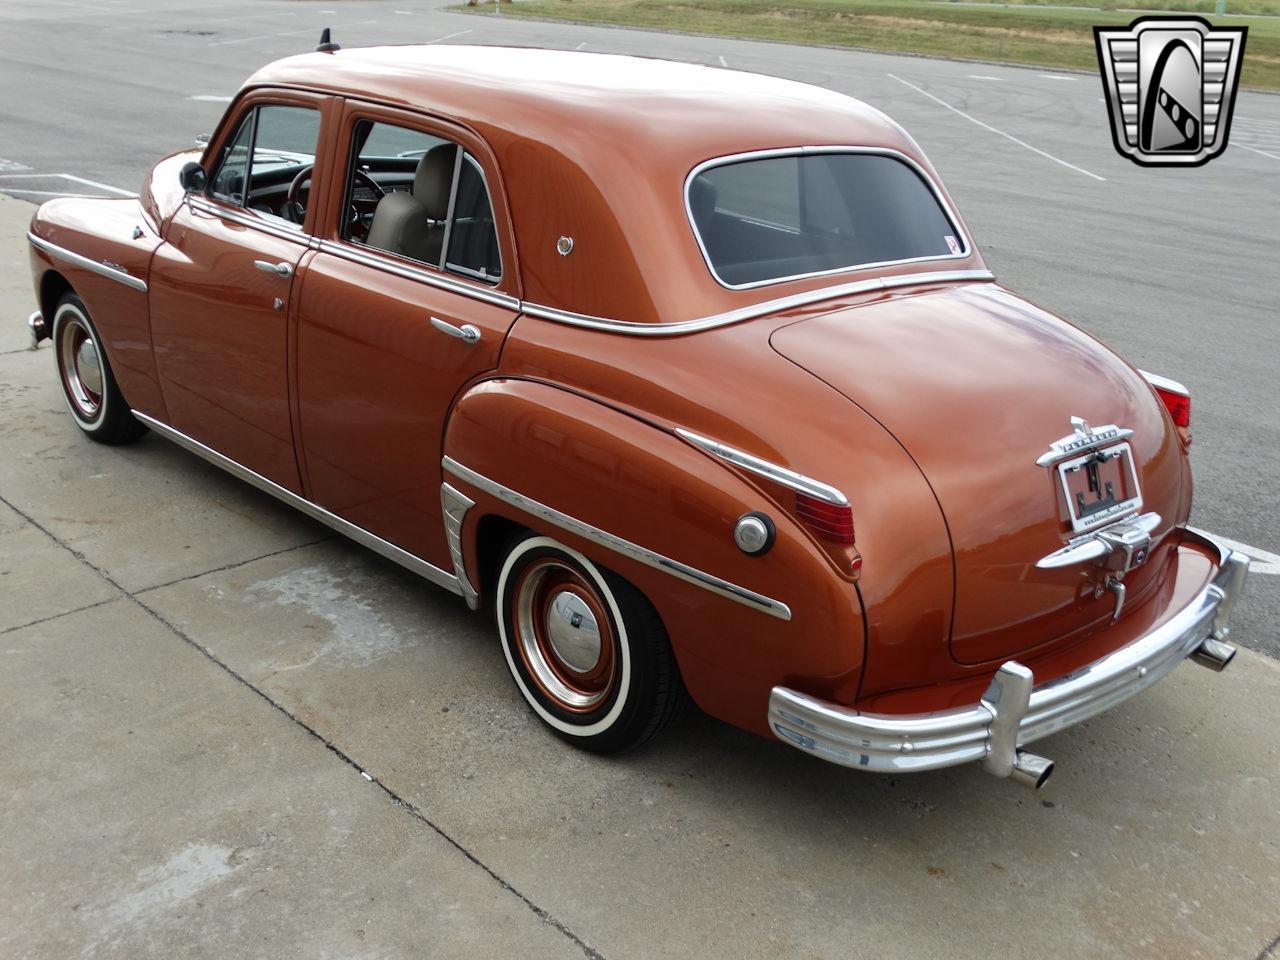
(695, 379)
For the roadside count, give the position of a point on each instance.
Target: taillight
(1179, 405)
(1175, 397)
(828, 520)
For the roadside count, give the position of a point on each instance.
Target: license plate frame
(1115, 466)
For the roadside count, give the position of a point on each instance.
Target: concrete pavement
(227, 733)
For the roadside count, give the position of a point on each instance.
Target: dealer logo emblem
(1170, 85)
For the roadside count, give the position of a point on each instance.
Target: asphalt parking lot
(227, 732)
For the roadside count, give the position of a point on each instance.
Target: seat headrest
(400, 226)
(702, 201)
(434, 179)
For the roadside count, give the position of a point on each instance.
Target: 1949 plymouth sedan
(695, 378)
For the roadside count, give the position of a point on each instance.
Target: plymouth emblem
(1096, 474)
(1170, 84)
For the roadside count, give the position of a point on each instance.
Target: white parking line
(1057, 76)
(1256, 150)
(1007, 136)
(449, 36)
(978, 76)
(581, 45)
(12, 165)
(722, 62)
(286, 33)
(1262, 560)
(210, 98)
(60, 176)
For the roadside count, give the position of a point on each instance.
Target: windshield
(776, 218)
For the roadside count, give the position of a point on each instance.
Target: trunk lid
(976, 383)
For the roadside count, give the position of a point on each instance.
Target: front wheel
(586, 649)
(88, 384)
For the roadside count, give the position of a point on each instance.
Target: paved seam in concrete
(410, 808)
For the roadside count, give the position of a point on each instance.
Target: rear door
(223, 282)
(409, 297)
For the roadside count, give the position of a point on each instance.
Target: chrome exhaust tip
(1030, 770)
(1214, 654)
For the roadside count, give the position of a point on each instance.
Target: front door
(223, 282)
(409, 297)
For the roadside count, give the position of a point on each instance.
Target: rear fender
(604, 483)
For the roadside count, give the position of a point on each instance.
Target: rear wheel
(586, 649)
(88, 384)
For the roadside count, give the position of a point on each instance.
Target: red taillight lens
(1179, 405)
(827, 520)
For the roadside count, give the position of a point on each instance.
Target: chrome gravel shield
(994, 729)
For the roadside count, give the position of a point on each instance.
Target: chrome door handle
(279, 269)
(466, 333)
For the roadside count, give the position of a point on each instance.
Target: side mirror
(192, 177)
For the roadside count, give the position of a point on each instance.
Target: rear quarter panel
(615, 472)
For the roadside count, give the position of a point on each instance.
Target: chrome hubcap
(573, 631)
(87, 367)
(82, 373)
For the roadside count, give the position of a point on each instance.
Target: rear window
(777, 218)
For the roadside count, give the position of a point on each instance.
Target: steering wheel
(293, 208)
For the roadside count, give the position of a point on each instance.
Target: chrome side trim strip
(754, 310)
(455, 505)
(421, 275)
(771, 471)
(75, 259)
(245, 220)
(628, 549)
(812, 151)
(361, 536)
(926, 741)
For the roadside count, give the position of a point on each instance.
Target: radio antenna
(326, 45)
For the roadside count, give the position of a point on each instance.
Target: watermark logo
(1170, 85)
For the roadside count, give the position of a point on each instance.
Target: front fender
(102, 250)
(629, 480)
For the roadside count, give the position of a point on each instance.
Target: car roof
(597, 147)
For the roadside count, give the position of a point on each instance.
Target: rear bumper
(1014, 711)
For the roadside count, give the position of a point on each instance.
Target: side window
(473, 238)
(421, 197)
(275, 143)
(228, 182)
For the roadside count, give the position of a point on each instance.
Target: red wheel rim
(564, 635)
(81, 367)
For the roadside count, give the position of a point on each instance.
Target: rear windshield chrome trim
(111, 272)
(754, 310)
(954, 220)
(420, 274)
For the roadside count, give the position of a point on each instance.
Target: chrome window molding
(770, 471)
(247, 219)
(815, 151)
(116, 273)
(455, 505)
(635, 329)
(360, 535)
(681, 571)
(420, 274)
